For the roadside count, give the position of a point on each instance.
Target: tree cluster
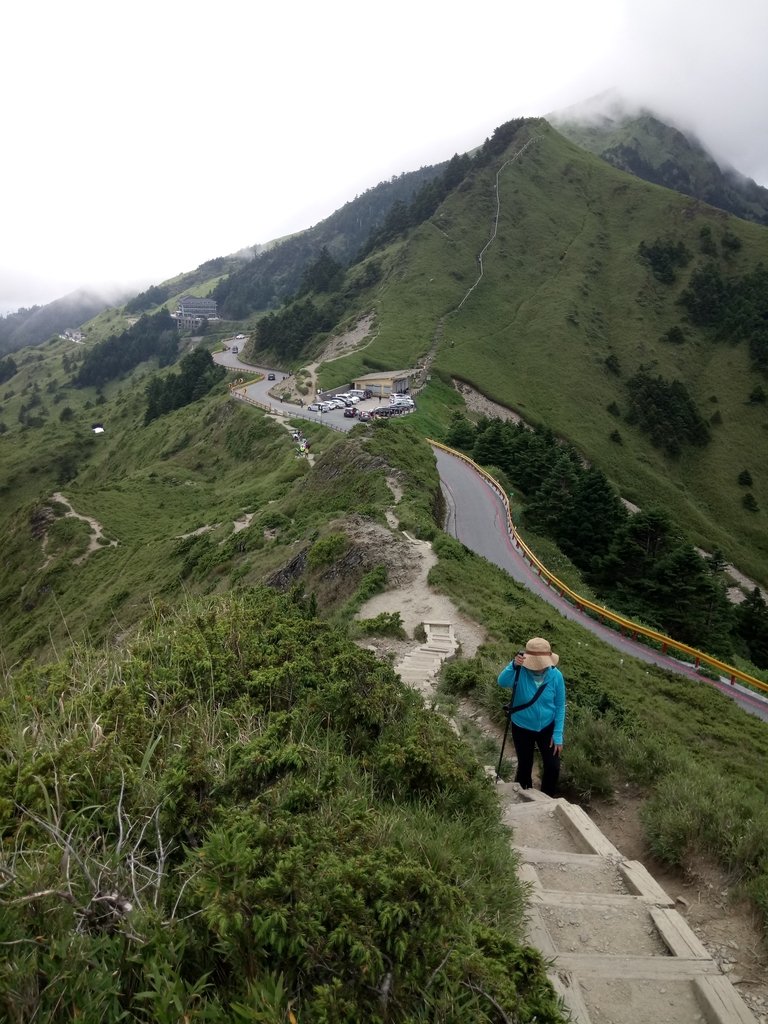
(287, 332)
(640, 563)
(150, 337)
(197, 375)
(663, 257)
(8, 369)
(9, 327)
(157, 294)
(734, 309)
(323, 274)
(666, 412)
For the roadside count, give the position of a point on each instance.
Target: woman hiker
(537, 711)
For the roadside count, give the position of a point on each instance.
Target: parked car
(314, 407)
(363, 416)
(270, 376)
(239, 337)
(351, 412)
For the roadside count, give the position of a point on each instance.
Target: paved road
(477, 518)
(259, 392)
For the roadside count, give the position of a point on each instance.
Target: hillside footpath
(625, 949)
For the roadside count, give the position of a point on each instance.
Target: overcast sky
(141, 139)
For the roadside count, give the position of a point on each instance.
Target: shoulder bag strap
(528, 703)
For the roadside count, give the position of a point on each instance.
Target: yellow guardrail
(633, 628)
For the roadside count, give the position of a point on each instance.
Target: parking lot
(344, 417)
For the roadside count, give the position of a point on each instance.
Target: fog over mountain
(282, 115)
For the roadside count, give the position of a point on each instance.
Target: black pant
(525, 743)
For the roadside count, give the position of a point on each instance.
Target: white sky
(141, 139)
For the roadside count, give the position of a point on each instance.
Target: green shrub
(283, 825)
(327, 550)
(385, 624)
(462, 677)
(372, 583)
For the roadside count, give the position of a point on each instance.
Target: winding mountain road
(476, 517)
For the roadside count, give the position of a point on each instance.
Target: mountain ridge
(641, 142)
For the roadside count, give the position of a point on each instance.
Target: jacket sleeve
(557, 736)
(507, 675)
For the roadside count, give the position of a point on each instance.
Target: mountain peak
(645, 143)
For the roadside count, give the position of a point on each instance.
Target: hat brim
(538, 662)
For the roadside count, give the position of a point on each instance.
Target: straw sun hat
(539, 655)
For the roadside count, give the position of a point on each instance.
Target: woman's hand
(557, 748)
(518, 659)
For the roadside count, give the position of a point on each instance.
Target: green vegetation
(664, 257)
(191, 282)
(248, 818)
(639, 564)
(385, 624)
(665, 411)
(275, 273)
(108, 360)
(197, 375)
(736, 309)
(563, 292)
(659, 153)
(8, 369)
(41, 324)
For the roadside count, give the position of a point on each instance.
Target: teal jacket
(550, 707)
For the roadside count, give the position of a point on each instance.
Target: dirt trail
(95, 542)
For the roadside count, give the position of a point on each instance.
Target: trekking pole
(503, 743)
(508, 712)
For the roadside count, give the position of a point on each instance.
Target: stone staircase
(419, 668)
(620, 952)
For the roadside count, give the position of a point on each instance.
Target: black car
(270, 376)
(350, 412)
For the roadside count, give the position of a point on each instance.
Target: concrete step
(620, 953)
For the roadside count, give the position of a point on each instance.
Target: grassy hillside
(568, 312)
(246, 817)
(202, 466)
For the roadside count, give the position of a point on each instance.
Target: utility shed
(386, 382)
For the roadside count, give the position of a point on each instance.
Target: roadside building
(390, 382)
(192, 310)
